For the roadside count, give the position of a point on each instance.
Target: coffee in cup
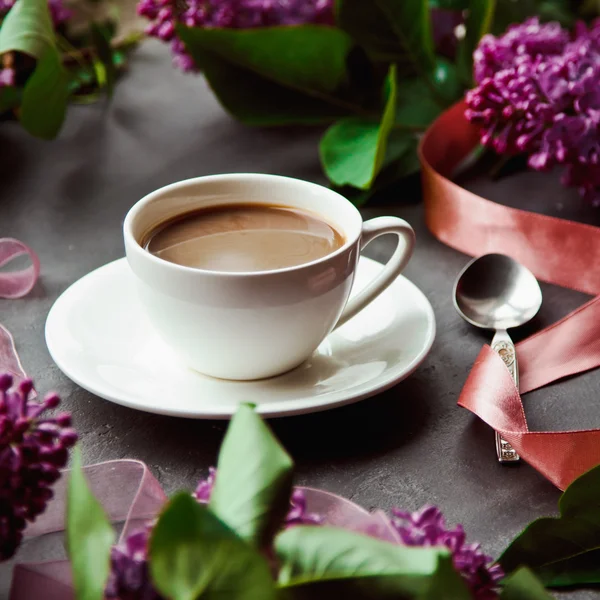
(243, 238)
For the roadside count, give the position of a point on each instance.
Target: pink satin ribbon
(15, 284)
(131, 495)
(558, 251)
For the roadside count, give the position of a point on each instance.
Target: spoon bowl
(496, 292)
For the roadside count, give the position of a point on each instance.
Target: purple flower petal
(427, 527)
(537, 93)
(204, 488)
(33, 449)
(231, 14)
(7, 77)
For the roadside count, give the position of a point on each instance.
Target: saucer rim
(374, 386)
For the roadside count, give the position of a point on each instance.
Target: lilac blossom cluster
(129, 577)
(130, 580)
(33, 449)
(232, 14)
(427, 527)
(59, 14)
(58, 11)
(537, 94)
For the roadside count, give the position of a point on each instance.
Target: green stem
(80, 55)
(428, 77)
(498, 166)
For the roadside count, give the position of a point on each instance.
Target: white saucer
(100, 338)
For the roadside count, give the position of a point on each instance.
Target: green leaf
(449, 4)
(101, 36)
(447, 82)
(275, 75)
(309, 58)
(411, 22)
(416, 106)
(353, 150)
(45, 97)
(89, 537)
(479, 21)
(27, 28)
(323, 562)
(401, 154)
(447, 583)
(254, 479)
(560, 10)
(400, 161)
(193, 554)
(348, 152)
(371, 28)
(588, 8)
(563, 551)
(508, 12)
(395, 29)
(524, 585)
(10, 98)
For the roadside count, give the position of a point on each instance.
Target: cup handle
(371, 230)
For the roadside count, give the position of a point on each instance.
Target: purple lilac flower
(427, 527)
(58, 11)
(129, 577)
(234, 14)
(5, 6)
(205, 487)
(529, 38)
(537, 93)
(7, 77)
(298, 513)
(33, 449)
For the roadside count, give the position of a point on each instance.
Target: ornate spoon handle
(502, 344)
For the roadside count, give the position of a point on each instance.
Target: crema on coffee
(243, 238)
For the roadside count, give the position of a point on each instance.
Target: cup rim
(132, 243)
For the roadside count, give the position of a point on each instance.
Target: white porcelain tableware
(260, 324)
(105, 343)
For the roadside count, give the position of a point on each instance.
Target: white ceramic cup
(258, 324)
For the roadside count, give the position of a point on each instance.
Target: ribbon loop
(9, 359)
(15, 284)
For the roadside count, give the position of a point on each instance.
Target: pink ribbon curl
(16, 284)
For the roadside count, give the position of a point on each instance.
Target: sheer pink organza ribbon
(558, 251)
(15, 284)
(131, 496)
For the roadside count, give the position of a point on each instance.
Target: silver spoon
(496, 292)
